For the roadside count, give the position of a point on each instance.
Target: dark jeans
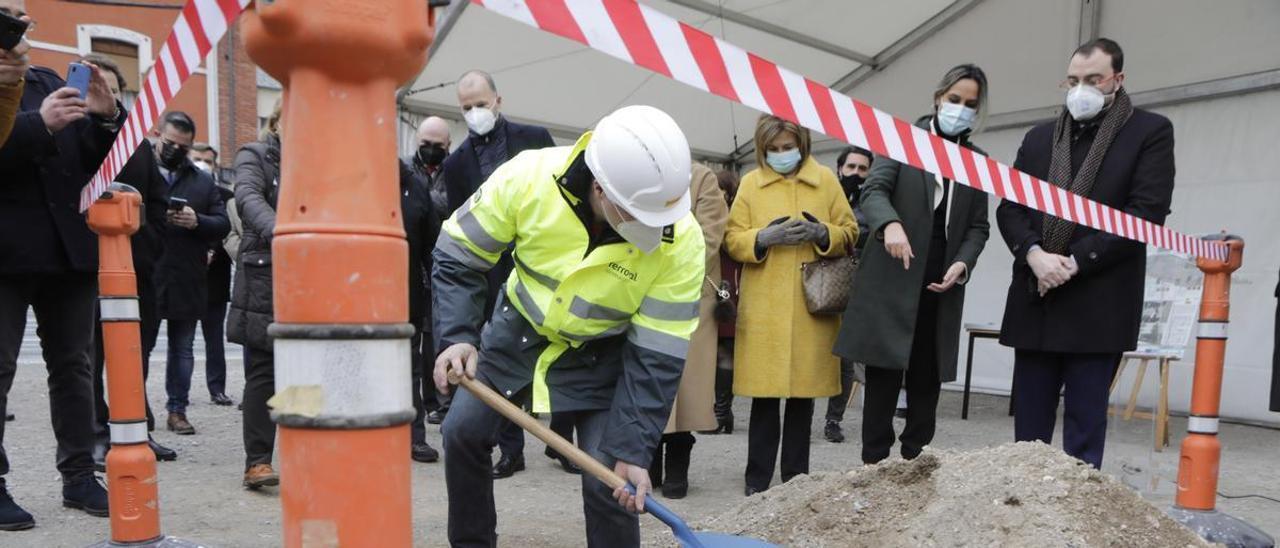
(1038, 378)
(150, 328)
(259, 386)
(762, 440)
(215, 354)
(470, 433)
(511, 436)
(64, 307)
(838, 403)
(181, 363)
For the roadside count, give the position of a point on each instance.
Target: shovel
(688, 537)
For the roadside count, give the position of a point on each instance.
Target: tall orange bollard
(1201, 450)
(132, 488)
(340, 265)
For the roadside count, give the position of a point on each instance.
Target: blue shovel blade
(688, 537)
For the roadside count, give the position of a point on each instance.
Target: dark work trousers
(150, 329)
(418, 430)
(64, 307)
(1038, 378)
(259, 386)
(511, 436)
(215, 353)
(180, 364)
(837, 404)
(923, 388)
(470, 433)
(762, 440)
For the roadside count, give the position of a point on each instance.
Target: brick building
(224, 102)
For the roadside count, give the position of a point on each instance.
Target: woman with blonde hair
(789, 211)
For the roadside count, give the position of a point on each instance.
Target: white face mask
(480, 120)
(644, 237)
(1084, 102)
(203, 166)
(955, 118)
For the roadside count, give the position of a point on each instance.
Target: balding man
(491, 141)
(433, 147)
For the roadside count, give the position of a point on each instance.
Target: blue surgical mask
(955, 118)
(783, 162)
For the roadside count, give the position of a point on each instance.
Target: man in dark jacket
(205, 158)
(433, 147)
(1075, 302)
(141, 173)
(195, 221)
(421, 228)
(491, 141)
(49, 261)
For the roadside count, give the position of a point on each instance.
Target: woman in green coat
(903, 318)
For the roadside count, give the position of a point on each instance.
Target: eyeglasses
(1092, 80)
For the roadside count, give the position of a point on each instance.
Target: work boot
(260, 475)
(12, 516)
(655, 467)
(422, 452)
(833, 432)
(178, 424)
(508, 466)
(86, 494)
(679, 449)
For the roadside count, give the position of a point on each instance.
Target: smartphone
(176, 204)
(78, 77)
(11, 30)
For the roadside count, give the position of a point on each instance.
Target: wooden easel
(1161, 416)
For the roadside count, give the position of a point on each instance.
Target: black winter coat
(421, 228)
(1100, 309)
(182, 272)
(141, 172)
(41, 175)
(257, 187)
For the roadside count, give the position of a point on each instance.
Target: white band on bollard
(119, 309)
(1202, 425)
(342, 378)
(125, 433)
(1212, 330)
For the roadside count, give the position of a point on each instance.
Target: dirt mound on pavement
(1023, 494)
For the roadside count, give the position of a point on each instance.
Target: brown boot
(178, 424)
(260, 475)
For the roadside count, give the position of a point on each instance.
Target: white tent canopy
(1214, 68)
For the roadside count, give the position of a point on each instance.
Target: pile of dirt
(1023, 494)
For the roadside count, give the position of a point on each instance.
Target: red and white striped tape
(643, 36)
(200, 25)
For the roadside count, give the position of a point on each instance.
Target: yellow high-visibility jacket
(586, 319)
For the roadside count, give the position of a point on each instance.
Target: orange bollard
(132, 488)
(340, 266)
(1201, 450)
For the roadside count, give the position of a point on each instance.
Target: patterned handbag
(827, 283)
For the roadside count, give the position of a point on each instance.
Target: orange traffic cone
(132, 488)
(340, 265)
(1198, 467)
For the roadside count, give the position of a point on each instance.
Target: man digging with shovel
(595, 319)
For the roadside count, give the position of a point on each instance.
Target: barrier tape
(643, 36)
(200, 25)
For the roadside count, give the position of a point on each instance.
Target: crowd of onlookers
(1072, 310)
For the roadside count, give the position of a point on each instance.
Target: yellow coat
(782, 351)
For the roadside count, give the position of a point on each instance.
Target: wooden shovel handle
(547, 435)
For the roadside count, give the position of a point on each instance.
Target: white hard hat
(641, 158)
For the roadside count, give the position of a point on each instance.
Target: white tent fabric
(1207, 66)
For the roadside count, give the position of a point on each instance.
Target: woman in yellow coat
(789, 211)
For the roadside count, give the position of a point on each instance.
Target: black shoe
(751, 491)
(87, 495)
(676, 489)
(435, 417)
(422, 452)
(833, 432)
(162, 453)
(12, 516)
(565, 463)
(221, 399)
(508, 466)
(10, 417)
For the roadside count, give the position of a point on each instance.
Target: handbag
(827, 284)
(725, 311)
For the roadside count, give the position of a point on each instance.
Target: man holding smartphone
(49, 261)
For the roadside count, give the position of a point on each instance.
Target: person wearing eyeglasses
(1075, 300)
